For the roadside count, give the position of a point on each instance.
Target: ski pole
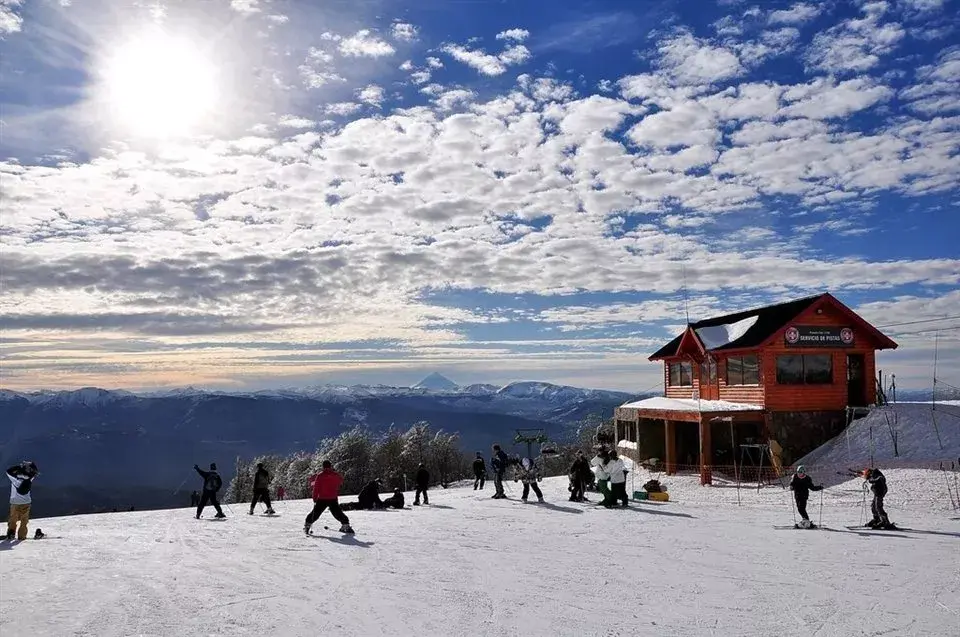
(820, 521)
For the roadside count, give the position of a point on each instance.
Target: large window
(743, 370)
(805, 369)
(681, 374)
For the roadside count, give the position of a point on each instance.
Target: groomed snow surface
(468, 565)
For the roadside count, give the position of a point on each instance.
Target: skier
(21, 481)
(422, 480)
(499, 461)
(194, 498)
(261, 489)
(618, 480)
(479, 472)
(878, 484)
(326, 490)
(528, 472)
(211, 484)
(369, 496)
(281, 492)
(801, 484)
(599, 463)
(578, 479)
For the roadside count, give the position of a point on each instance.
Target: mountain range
(100, 449)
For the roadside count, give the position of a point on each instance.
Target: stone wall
(800, 432)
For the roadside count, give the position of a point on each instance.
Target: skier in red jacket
(326, 490)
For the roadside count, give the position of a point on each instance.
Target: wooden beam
(706, 453)
(669, 432)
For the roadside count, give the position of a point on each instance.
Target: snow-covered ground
(468, 565)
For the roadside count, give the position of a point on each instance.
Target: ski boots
(220, 515)
(346, 528)
(39, 535)
(306, 528)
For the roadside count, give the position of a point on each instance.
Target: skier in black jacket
(878, 484)
(422, 481)
(261, 489)
(479, 472)
(579, 471)
(802, 485)
(211, 484)
(500, 461)
(369, 496)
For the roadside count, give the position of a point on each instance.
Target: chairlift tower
(531, 436)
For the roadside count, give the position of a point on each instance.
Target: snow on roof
(689, 404)
(720, 335)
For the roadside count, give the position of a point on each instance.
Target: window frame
(740, 377)
(827, 376)
(681, 366)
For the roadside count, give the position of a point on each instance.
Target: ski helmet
(801, 470)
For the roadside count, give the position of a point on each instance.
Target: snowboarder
(281, 492)
(261, 489)
(326, 491)
(211, 484)
(422, 480)
(500, 461)
(479, 472)
(802, 484)
(21, 481)
(194, 498)
(578, 477)
(599, 464)
(395, 501)
(528, 473)
(878, 484)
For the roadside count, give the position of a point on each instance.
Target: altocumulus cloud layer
(368, 198)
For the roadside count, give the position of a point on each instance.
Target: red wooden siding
(750, 394)
(817, 397)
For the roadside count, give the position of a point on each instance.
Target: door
(709, 386)
(856, 381)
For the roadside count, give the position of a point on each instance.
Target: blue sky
(263, 194)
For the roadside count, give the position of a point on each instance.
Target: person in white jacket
(603, 478)
(21, 480)
(618, 481)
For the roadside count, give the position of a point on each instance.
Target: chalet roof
(769, 319)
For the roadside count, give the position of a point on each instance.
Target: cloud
(797, 14)
(404, 31)
(937, 90)
(855, 45)
(317, 69)
(365, 44)
(485, 63)
(691, 60)
(517, 35)
(10, 21)
(588, 33)
(246, 7)
(434, 63)
(371, 94)
(342, 108)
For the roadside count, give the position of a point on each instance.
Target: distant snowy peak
(480, 389)
(87, 396)
(554, 393)
(437, 382)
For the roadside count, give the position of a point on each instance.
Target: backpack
(24, 487)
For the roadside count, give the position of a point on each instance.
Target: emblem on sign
(846, 336)
(792, 335)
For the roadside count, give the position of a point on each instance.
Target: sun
(159, 85)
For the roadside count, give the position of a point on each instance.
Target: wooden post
(670, 434)
(706, 455)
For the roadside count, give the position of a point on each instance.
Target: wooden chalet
(783, 374)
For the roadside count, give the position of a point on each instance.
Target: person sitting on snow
(395, 501)
(878, 484)
(528, 472)
(802, 484)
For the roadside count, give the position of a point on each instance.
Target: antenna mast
(686, 308)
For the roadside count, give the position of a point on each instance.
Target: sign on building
(815, 336)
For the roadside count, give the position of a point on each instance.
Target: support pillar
(669, 432)
(706, 454)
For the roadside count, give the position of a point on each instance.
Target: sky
(240, 194)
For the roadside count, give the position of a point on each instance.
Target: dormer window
(681, 374)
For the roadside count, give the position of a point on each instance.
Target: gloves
(196, 466)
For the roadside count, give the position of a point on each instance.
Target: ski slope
(467, 566)
(923, 437)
